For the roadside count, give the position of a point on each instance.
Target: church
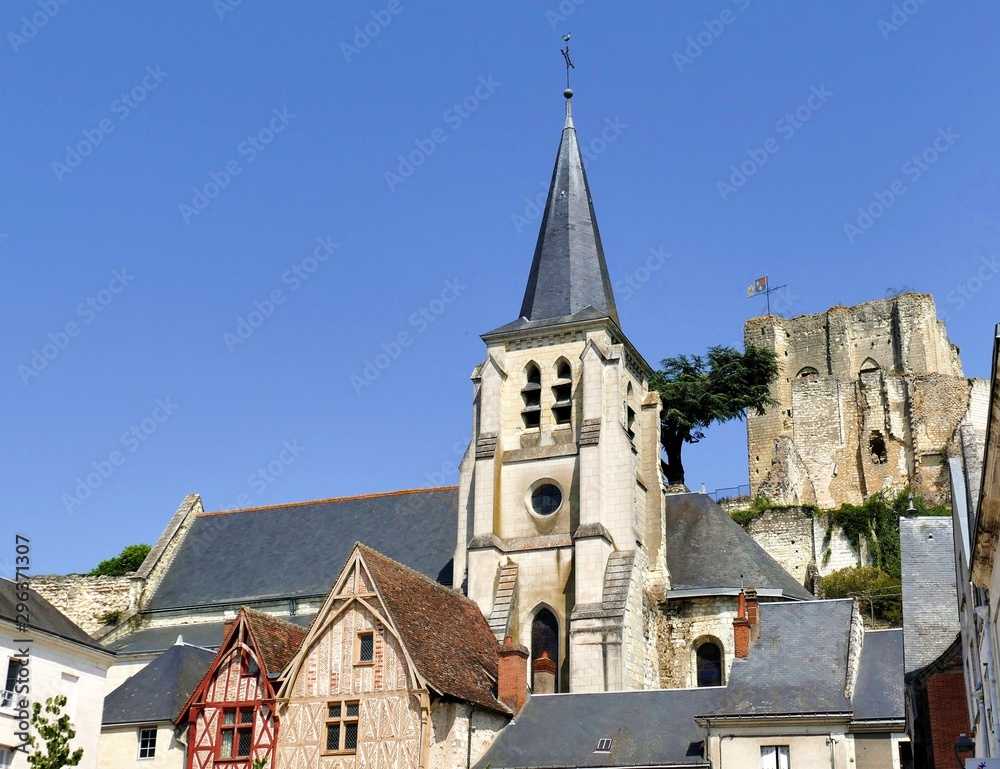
(561, 546)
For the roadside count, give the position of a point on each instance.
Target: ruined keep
(870, 397)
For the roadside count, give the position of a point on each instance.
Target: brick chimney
(746, 624)
(512, 676)
(543, 675)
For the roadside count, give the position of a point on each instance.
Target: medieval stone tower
(560, 520)
(871, 397)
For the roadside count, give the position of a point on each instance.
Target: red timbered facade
(231, 715)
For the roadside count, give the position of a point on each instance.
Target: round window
(546, 498)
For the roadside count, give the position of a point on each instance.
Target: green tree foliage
(878, 593)
(127, 561)
(54, 731)
(699, 390)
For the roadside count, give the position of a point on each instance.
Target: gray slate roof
(879, 691)
(647, 728)
(930, 597)
(797, 665)
(43, 616)
(295, 550)
(157, 692)
(707, 549)
(569, 276)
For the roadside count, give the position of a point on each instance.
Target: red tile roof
(444, 633)
(277, 640)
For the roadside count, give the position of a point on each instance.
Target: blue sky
(216, 214)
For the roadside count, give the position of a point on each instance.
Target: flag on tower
(759, 287)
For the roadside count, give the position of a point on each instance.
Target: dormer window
(531, 394)
(562, 393)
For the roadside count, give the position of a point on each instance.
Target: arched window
(808, 371)
(562, 391)
(532, 396)
(709, 661)
(545, 638)
(629, 412)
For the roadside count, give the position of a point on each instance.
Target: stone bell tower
(561, 514)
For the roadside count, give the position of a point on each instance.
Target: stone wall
(683, 622)
(84, 599)
(870, 398)
(450, 744)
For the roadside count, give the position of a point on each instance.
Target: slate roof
(294, 550)
(879, 691)
(444, 632)
(647, 728)
(707, 549)
(43, 616)
(798, 664)
(157, 692)
(930, 597)
(569, 276)
(277, 640)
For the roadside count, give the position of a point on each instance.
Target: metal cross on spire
(569, 63)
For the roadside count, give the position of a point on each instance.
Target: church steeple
(569, 276)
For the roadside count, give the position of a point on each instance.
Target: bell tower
(561, 515)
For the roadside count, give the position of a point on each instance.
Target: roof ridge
(270, 617)
(398, 493)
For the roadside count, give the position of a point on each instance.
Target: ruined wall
(869, 398)
(84, 599)
(683, 622)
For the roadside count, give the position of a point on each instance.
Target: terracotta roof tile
(277, 640)
(446, 635)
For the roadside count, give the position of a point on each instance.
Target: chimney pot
(543, 671)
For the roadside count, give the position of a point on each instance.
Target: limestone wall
(83, 598)
(450, 742)
(683, 622)
(870, 398)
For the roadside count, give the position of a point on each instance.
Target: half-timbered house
(396, 672)
(231, 714)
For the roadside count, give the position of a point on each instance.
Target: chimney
(741, 626)
(512, 676)
(753, 613)
(544, 675)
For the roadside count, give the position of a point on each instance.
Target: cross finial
(568, 93)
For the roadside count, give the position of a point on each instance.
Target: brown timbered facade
(389, 654)
(231, 715)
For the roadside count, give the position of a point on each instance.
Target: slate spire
(568, 272)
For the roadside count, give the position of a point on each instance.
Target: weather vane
(569, 64)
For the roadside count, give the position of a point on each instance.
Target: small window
(342, 727)
(7, 697)
(709, 659)
(147, 743)
(236, 733)
(604, 745)
(546, 499)
(876, 445)
(629, 413)
(366, 647)
(774, 757)
(6, 758)
(531, 414)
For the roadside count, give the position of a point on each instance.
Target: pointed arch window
(869, 366)
(629, 412)
(545, 638)
(531, 394)
(562, 393)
